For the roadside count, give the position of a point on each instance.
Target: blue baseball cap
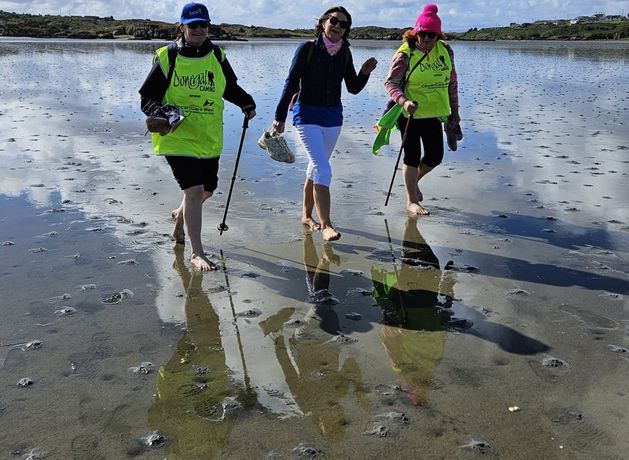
(194, 12)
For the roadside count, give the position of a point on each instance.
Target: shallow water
(405, 336)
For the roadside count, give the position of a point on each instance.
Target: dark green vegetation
(555, 30)
(46, 26)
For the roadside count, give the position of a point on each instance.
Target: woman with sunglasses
(430, 94)
(184, 105)
(313, 88)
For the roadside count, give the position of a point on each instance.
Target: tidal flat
(495, 327)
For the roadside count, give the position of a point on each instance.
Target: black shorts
(190, 171)
(426, 131)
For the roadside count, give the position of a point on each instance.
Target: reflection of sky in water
(550, 112)
(539, 107)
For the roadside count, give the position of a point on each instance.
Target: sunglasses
(335, 21)
(429, 35)
(199, 24)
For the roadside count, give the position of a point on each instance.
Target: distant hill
(47, 26)
(617, 29)
(88, 27)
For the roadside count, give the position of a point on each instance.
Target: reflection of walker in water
(415, 299)
(310, 358)
(194, 392)
(318, 283)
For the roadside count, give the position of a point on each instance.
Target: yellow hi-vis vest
(197, 86)
(428, 83)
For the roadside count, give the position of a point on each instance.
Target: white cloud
(457, 15)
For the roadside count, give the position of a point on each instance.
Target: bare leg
(412, 198)
(179, 233)
(192, 215)
(322, 204)
(421, 172)
(306, 214)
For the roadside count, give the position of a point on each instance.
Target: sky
(456, 15)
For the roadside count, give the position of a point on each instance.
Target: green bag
(385, 125)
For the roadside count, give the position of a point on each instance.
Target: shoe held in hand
(165, 120)
(276, 146)
(453, 133)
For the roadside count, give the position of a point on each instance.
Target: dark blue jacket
(317, 77)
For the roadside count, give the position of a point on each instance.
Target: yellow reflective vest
(197, 86)
(428, 83)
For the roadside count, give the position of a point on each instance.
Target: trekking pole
(222, 227)
(408, 125)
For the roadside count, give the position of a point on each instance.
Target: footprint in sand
(155, 440)
(144, 368)
(591, 319)
(81, 364)
(117, 423)
(118, 297)
(307, 451)
(554, 363)
(86, 446)
(581, 433)
(477, 447)
(617, 349)
(251, 313)
(65, 311)
(550, 369)
(387, 425)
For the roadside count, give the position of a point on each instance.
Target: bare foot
(179, 232)
(329, 234)
(202, 263)
(415, 209)
(311, 223)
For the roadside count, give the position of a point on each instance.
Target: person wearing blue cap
(182, 98)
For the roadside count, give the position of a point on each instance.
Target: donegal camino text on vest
(428, 83)
(197, 86)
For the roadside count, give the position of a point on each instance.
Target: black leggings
(427, 131)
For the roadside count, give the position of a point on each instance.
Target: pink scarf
(331, 46)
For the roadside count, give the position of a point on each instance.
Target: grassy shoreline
(93, 27)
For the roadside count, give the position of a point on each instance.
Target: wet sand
(406, 336)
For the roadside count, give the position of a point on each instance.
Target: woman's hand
(250, 114)
(455, 114)
(410, 106)
(278, 126)
(368, 66)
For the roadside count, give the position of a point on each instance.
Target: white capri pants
(318, 142)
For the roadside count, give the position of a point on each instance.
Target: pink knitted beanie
(428, 21)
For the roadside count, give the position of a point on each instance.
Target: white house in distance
(597, 18)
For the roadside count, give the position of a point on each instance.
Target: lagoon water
(495, 327)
